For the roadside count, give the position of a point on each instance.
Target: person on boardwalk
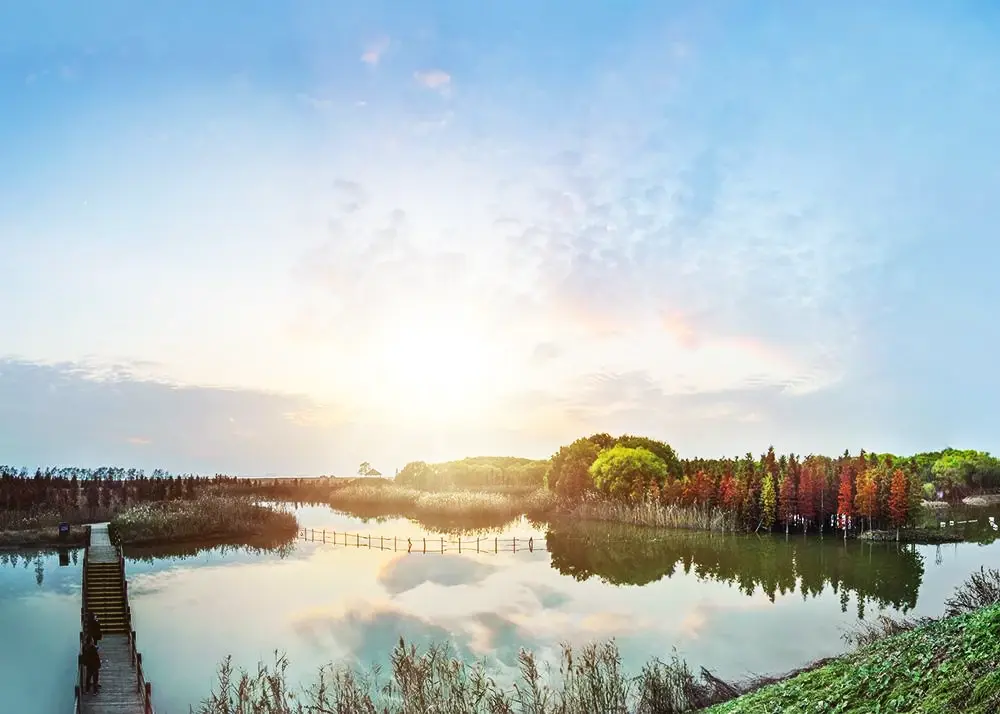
(93, 627)
(92, 666)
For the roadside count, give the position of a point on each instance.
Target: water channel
(736, 604)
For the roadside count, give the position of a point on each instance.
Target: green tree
(626, 473)
(661, 449)
(571, 462)
(416, 474)
(768, 501)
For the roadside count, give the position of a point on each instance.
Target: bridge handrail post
(148, 696)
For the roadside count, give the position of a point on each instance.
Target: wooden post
(381, 542)
(425, 545)
(442, 545)
(496, 545)
(394, 543)
(477, 545)
(460, 544)
(357, 540)
(324, 535)
(515, 544)
(149, 698)
(369, 540)
(531, 544)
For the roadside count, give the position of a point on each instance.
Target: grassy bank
(948, 665)
(921, 665)
(204, 519)
(40, 528)
(439, 509)
(42, 538)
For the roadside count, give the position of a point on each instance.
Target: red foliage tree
(899, 505)
(866, 497)
(729, 495)
(845, 500)
(807, 493)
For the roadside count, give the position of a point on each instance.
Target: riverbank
(206, 519)
(43, 538)
(949, 665)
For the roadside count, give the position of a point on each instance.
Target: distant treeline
(475, 472)
(65, 489)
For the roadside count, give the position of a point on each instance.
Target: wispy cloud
(435, 79)
(374, 51)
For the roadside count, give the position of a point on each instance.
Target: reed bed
(653, 513)
(435, 680)
(207, 518)
(52, 517)
(386, 498)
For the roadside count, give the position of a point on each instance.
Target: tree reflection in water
(888, 574)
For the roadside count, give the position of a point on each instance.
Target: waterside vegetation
(917, 665)
(208, 518)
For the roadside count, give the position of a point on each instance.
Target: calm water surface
(715, 599)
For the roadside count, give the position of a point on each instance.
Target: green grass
(203, 519)
(943, 667)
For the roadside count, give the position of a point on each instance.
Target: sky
(258, 237)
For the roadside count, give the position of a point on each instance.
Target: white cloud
(435, 79)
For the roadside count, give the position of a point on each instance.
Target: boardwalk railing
(83, 626)
(423, 544)
(144, 688)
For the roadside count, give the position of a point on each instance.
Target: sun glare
(437, 368)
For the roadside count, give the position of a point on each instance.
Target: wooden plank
(119, 693)
(119, 681)
(101, 550)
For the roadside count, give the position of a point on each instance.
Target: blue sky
(288, 237)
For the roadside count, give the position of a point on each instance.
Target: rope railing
(423, 544)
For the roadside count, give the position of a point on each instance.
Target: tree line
(477, 472)
(770, 491)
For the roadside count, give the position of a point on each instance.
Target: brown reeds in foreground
(435, 680)
(588, 680)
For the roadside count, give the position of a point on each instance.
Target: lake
(716, 599)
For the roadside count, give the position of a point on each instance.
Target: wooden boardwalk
(105, 592)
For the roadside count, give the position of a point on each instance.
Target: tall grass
(653, 513)
(435, 680)
(369, 498)
(981, 590)
(52, 517)
(201, 519)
